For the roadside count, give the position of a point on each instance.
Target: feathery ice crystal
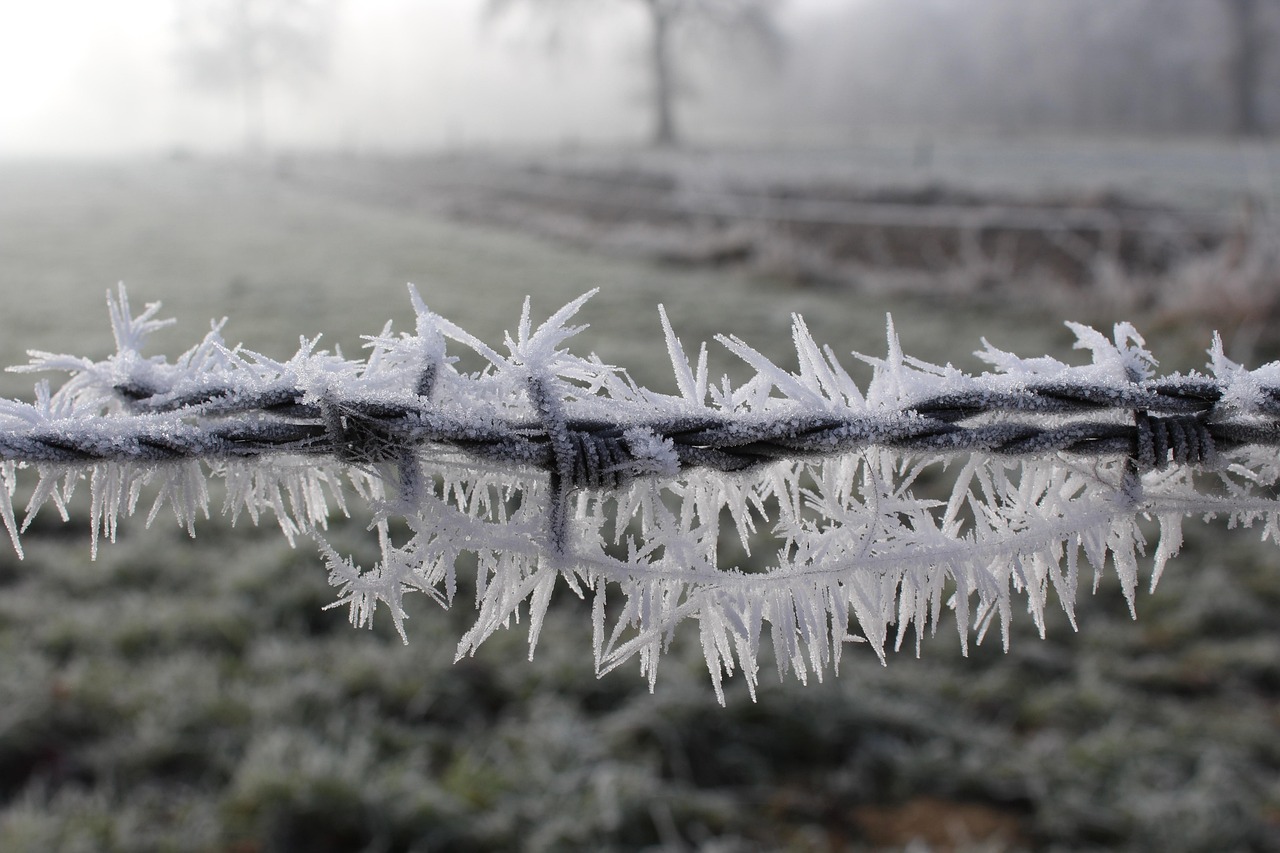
(546, 468)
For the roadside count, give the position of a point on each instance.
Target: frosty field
(193, 695)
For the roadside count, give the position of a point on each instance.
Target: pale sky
(84, 77)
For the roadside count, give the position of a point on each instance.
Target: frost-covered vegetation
(196, 696)
(183, 694)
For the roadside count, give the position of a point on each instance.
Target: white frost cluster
(862, 542)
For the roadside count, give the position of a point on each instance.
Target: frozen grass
(1175, 229)
(1202, 174)
(183, 695)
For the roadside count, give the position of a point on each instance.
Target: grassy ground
(181, 695)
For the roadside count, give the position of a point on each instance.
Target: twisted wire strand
(1155, 423)
(527, 470)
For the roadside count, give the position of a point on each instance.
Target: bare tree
(1093, 66)
(1244, 76)
(237, 46)
(675, 26)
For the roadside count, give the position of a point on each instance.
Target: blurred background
(976, 168)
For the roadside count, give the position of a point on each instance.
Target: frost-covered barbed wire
(547, 467)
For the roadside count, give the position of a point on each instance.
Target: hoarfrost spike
(548, 468)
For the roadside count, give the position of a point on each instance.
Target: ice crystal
(789, 512)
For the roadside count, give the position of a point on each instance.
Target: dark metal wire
(1155, 423)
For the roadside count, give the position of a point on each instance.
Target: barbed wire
(1156, 423)
(545, 465)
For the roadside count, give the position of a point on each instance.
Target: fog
(400, 74)
(84, 78)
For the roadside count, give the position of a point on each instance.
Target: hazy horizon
(85, 79)
(80, 78)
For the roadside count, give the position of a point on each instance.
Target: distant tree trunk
(1245, 68)
(255, 116)
(664, 119)
(241, 49)
(252, 84)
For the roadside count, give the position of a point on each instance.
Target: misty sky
(87, 77)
